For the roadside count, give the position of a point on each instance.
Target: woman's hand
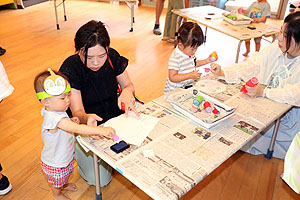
(216, 70)
(127, 99)
(92, 119)
(256, 91)
(75, 120)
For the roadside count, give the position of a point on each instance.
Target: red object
(194, 108)
(250, 83)
(215, 111)
(122, 106)
(207, 107)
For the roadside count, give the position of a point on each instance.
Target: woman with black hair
(278, 68)
(95, 72)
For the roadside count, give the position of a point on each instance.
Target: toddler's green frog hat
(54, 85)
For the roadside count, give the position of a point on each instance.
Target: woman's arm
(77, 109)
(289, 94)
(127, 94)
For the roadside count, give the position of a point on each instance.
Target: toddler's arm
(69, 126)
(175, 77)
(243, 11)
(206, 61)
(261, 19)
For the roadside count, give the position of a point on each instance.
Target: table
(129, 3)
(184, 152)
(240, 32)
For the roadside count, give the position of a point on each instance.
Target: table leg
(65, 15)
(132, 16)
(177, 27)
(55, 8)
(205, 34)
(269, 154)
(97, 178)
(238, 52)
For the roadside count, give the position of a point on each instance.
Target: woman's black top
(98, 88)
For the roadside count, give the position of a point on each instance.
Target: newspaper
(182, 151)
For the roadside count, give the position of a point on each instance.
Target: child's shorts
(257, 40)
(58, 176)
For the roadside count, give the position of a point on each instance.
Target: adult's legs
(168, 20)
(288, 128)
(178, 4)
(85, 162)
(2, 51)
(158, 10)
(5, 186)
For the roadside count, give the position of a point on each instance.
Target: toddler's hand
(108, 132)
(195, 75)
(240, 10)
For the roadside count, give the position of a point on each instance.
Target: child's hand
(108, 132)
(195, 75)
(240, 10)
(76, 120)
(216, 70)
(256, 20)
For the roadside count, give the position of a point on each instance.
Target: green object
(44, 95)
(200, 99)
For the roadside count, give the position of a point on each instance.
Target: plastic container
(241, 19)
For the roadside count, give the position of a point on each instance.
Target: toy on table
(240, 10)
(198, 100)
(250, 83)
(122, 106)
(213, 56)
(207, 107)
(194, 108)
(115, 137)
(215, 111)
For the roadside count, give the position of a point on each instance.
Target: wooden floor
(33, 44)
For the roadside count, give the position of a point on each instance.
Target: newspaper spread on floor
(182, 152)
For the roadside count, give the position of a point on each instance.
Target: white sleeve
(252, 66)
(5, 88)
(244, 70)
(289, 94)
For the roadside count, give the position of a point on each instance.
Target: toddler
(183, 63)
(58, 131)
(259, 11)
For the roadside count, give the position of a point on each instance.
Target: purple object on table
(115, 138)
